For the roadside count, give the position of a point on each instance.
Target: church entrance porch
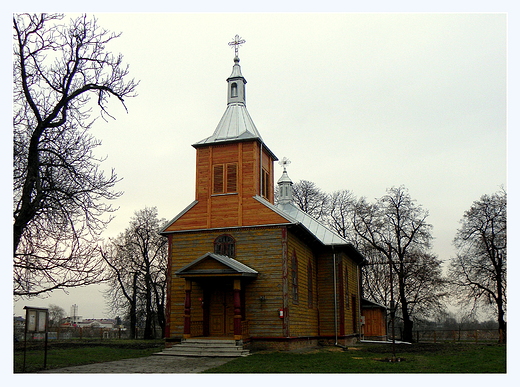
(220, 291)
(223, 309)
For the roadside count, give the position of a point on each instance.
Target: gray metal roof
(296, 216)
(234, 266)
(320, 231)
(236, 124)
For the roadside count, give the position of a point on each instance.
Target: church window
(310, 289)
(294, 277)
(234, 90)
(218, 178)
(346, 286)
(265, 184)
(231, 178)
(225, 245)
(225, 178)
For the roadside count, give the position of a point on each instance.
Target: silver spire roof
(236, 123)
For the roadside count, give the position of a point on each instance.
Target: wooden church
(245, 268)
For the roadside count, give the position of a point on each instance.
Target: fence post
(476, 335)
(417, 336)
(435, 337)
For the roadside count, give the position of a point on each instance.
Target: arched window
(294, 275)
(225, 245)
(310, 289)
(234, 90)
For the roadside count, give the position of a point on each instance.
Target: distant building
(97, 323)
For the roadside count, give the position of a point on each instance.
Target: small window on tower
(265, 184)
(218, 178)
(225, 178)
(231, 178)
(234, 90)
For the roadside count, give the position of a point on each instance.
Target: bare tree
(478, 272)
(137, 264)
(311, 199)
(396, 228)
(425, 285)
(342, 205)
(122, 294)
(56, 315)
(60, 192)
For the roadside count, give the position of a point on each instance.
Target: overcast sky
(356, 101)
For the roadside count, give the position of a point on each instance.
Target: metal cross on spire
(237, 43)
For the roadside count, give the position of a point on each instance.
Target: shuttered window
(225, 179)
(218, 178)
(265, 184)
(231, 178)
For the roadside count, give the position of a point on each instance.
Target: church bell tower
(233, 165)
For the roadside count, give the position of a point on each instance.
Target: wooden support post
(237, 305)
(187, 310)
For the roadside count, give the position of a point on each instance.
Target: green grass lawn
(72, 353)
(365, 358)
(418, 358)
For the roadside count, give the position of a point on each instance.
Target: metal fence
(457, 335)
(91, 333)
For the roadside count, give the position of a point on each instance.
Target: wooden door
(221, 313)
(374, 322)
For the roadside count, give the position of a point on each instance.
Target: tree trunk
(148, 334)
(161, 316)
(407, 322)
(500, 308)
(133, 309)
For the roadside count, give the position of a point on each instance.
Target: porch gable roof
(211, 264)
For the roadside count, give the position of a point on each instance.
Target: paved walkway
(147, 365)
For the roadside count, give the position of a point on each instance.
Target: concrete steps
(196, 347)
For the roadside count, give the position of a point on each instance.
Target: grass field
(72, 353)
(417, 358)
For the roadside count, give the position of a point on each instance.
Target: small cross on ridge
(284, 163)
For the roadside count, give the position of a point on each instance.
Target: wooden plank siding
(303, 320)
(230, 209)
(259, 248)
(344, 301)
